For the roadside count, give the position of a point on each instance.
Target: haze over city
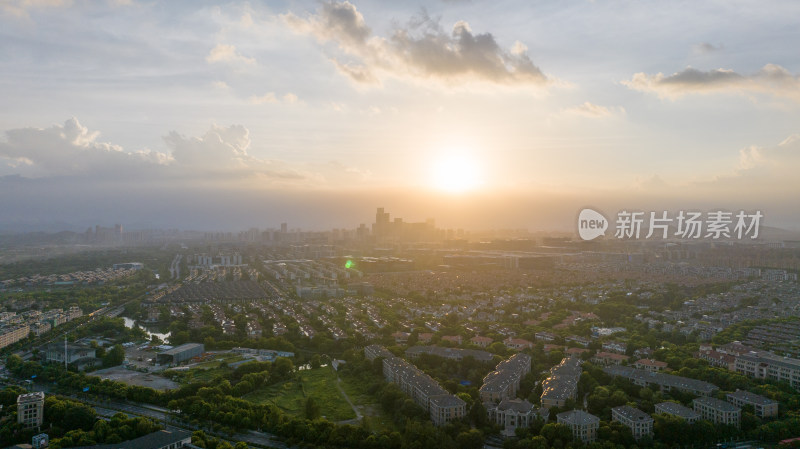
(219, 116)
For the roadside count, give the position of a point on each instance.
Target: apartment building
(372, 352)
(665, 382)
(762, 366)
(12, 334)
(30, 409)
(513, 413)
(584, 425)
(718, 411)
(422, 389)
(673, 408)
(640, 423)
(764, 407)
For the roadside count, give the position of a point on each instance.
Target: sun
(456, 172)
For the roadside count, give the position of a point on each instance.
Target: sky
(484, 115)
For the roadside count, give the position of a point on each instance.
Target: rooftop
(633, 414)
(677, 409)
(751, 398)
(181, 348)
(575, 417)
(153, 440)
(717, 404)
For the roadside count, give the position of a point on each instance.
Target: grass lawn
(368, 405)
(290, 396)
(205, 371)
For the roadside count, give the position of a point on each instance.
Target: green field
(368, 406)
(206, 371)
(290, 396)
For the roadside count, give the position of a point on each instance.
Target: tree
(557, 432)
(13, 362)
(472, 439)
(78, 416)
(282, 368)
(115, 356)
(311, 409)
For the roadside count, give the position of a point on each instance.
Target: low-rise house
(481, 341)
(517, 343)
(650, 365)
(609, 358)
(455, 339)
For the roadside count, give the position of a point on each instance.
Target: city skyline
(504, 116)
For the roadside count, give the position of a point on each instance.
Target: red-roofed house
(650, 365)
(576, 352)
(548, 347)
(456, 339)
(517, 343)
(400, 337)
(609, 358)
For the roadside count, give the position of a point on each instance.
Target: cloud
(271, 98)
(221, 85)
(70, 149)
(762, 173)
(420, 51)
(22, 8)
(591, 110)
(224, 53)
(267, 98)
(706, 48)
(771, 79)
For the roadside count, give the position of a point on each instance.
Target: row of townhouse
(420, 387)
(562, 384)
(503, 382)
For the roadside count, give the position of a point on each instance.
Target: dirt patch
(130, 377)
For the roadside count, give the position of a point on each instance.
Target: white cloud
(271, 98)
(771, 79)
(221, 85)
(70, 149)
(421, 51)
(22, 8)
(267, 98)
(591, 110)
(224, 53)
